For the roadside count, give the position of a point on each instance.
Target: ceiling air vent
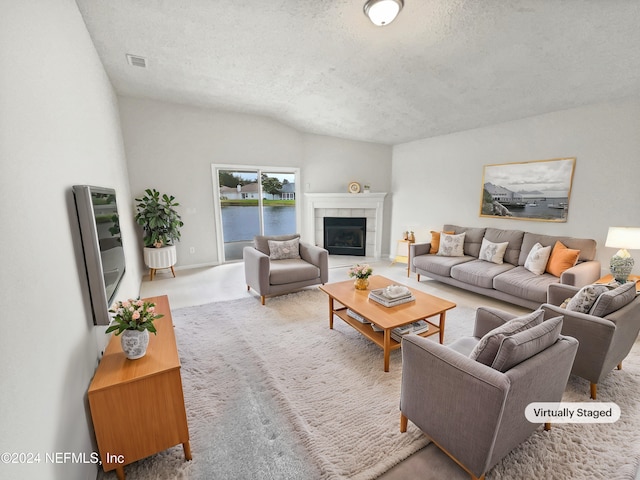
(136, 61)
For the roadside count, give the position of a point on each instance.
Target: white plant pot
(134, 343)
(163, 257)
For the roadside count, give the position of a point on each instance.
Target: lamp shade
(623, 237)
(382, 12)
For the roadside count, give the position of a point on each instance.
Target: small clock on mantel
(354, 187)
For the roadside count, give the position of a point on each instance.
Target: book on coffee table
(357, 316)
(420, 326)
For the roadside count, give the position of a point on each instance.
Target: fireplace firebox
(345, 235)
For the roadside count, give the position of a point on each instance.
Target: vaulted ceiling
(321, 66)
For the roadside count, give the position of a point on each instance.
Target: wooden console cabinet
(137, 406)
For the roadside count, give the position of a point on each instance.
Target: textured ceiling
(321, 66)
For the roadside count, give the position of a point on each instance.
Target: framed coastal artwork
(537, 190)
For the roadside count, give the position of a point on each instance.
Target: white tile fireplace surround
(368, 205)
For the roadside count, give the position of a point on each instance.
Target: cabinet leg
(152, 272)
(187, 450)
(120, 473)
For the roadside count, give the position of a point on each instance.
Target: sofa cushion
(521, 283)
(479, 272)
(613, 300)
(537, 259)
(561, 259)
(451, 245)
(291, 270)
(513, 237)
(517, 348)
(586, 246)
(261, 242)
(472, 240)
(585, 298)
(487, 348)
(439, 265)
(283, 249)
(435, 240)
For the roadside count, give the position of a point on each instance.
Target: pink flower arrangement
(360, 271)
(133, 314)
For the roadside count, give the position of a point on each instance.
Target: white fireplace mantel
(371, 201)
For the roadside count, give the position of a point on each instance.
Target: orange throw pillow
(435, 240)
(561, 259)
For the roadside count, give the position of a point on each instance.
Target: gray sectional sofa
(509, 281)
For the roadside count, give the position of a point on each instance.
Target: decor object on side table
(134, 320)
(622, 262)
(354, 187)
(161, 223)
(361, 274)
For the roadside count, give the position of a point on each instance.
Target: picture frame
(537, 190)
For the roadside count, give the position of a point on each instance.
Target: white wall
(59, 126)
(171, 147)
(439, 180)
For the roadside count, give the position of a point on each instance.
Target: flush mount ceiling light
(382, 12)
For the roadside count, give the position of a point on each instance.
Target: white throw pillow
(282, 250)
(451, 245)
(537, 259)
(492, 252)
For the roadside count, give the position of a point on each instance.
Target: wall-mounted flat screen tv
(102, 246)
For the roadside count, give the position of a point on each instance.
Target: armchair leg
(403, 423)
(547, 426)
(620, 366)
(262, 299)
(594, 390)
(418, 276)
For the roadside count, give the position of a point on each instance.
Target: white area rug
(272, 393)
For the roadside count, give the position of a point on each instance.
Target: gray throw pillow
(521, 346)
(283, 250)
(585, 298)
(614, 300)
(486, 349)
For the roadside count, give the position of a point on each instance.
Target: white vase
(134, 343)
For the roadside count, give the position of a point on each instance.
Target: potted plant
(161, 223)
(134, 319)
(158, 218)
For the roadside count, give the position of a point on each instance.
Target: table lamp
(622, 262)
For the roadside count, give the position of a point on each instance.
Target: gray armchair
(474, 412)
(604, 340)
(270, 276)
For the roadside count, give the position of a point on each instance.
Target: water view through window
(249, 207)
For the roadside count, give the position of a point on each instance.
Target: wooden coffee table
(425, 306)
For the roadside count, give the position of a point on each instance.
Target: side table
(632, 278)
(403, 254)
